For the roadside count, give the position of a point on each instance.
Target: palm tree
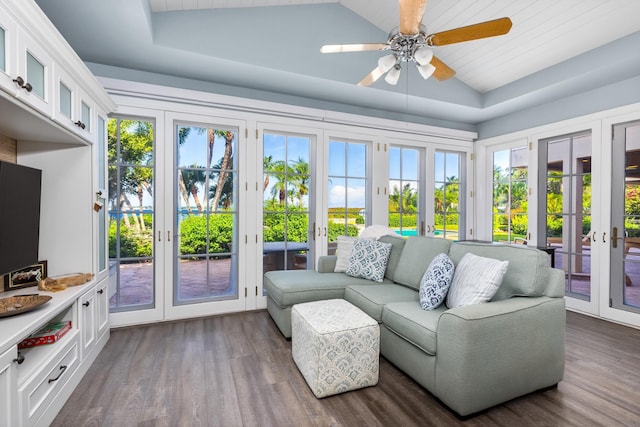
(301, 179)
(228, 136)
(279, 189)
(267, 164)
(191, 178)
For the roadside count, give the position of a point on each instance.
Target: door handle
(604, 234)
(615, 238)
(594, 236)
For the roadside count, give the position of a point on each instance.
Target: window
(449, 200)
(131, 209)
(205, 190)
(286, 190)
(510, 195)
(404, 190)
(347, 188)
(567, 202)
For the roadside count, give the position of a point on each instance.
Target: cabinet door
(102, 307)
(7, 52)
(86, 112)
(88, 324)
(8, 388)
(65, 104)
(34, 67)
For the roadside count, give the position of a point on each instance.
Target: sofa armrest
(327, 263)
(490, 353)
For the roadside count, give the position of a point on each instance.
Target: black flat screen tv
(20, 188)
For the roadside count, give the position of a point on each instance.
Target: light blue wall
(604, 98)
(243, 92)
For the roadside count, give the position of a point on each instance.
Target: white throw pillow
(436, 281)
(476, 280)
(369, 259)
(376, 232)
(343, 252)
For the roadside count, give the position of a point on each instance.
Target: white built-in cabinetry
(57, 111)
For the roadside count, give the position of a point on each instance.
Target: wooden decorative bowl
(19, 304)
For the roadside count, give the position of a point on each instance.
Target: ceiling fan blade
(497, 27)
(411, 13)
(337, 48)
(443, 71)
(370, 78)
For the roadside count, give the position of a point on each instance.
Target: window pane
(206, 265)
(35, 75)
(287, 187)
(3, 50)
(131, 212)
(347, 184)
(65, 100)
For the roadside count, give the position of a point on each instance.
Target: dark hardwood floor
(237, 370)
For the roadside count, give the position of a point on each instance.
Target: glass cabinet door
(34, 67)
(7, 52)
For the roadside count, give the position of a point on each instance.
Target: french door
(177, 230)
(287, 200)
(568, 183)
(625, 218)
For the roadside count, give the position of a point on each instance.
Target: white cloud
(357, 196)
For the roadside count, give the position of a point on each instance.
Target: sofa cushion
(369, 259)
(476, 280)
(371, 299)
(528, 272)
(289, 287)
(409, 321)
(416, 256)
(397, 243)
(436, 281)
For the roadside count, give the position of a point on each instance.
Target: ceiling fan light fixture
(426, 70)
(393, 75)
(386, 63)
(423, 55)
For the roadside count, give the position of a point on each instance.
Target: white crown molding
(117, 87)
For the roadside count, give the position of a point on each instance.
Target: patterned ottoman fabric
(335, 345)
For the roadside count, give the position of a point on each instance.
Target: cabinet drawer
(39, 391)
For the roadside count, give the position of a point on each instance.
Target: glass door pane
(286, 190)
(206, 245)
(404, 191)
(510, 195)
(625, 218)
(568, 210)
(448, 202)
(131, 212)
(347, 190)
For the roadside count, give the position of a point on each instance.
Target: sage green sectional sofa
(471, 357)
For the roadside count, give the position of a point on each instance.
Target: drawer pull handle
(19, 359)
(101, 291)
(62, 369)
(86, 304)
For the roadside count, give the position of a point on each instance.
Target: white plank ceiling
(544, 33)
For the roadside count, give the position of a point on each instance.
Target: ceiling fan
(410, 43)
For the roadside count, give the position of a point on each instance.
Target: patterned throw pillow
(436, 281)
(476, 280)
(369, 259)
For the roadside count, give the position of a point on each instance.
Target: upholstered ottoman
(335, 345)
